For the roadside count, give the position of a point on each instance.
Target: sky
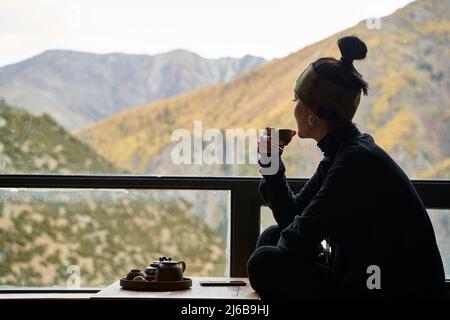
(210, 28)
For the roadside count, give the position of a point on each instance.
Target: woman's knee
(269, 237)
(262, 269)
(261, 265)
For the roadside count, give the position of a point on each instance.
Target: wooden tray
(154, 285)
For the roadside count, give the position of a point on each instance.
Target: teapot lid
(165, 259)
(169, 262)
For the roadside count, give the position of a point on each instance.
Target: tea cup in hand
(282, 138)
(285, 136)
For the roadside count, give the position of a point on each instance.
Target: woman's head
(328, 91)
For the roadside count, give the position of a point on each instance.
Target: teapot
(168, 269)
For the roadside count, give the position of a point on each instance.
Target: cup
(284, 135)
(134, 273)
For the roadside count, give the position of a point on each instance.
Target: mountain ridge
(406, 93)
(77, 88)
(31, 143)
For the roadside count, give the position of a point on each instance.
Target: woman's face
(301, 113)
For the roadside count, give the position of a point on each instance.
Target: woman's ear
(312, 120)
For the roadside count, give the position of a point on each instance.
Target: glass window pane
(50, 236)
(95, 98)
(441, 225)
(267, 219)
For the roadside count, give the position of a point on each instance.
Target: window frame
(244, 196)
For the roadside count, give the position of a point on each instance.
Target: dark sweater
(368, 209)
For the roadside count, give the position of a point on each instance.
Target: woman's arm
(285, 204)
(328, 209)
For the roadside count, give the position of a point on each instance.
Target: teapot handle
(183, 264)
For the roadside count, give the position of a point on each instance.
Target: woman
(381, 243)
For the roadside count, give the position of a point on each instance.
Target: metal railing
(245, 199)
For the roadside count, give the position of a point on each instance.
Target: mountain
(407, 110)
(104, 234)
(47, 234)
(32, 143)
(440, 170)
(78, 88)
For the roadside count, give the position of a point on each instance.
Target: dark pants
(275, 274)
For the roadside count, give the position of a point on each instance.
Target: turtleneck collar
(333, 140)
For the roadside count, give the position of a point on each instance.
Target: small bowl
(134, 273)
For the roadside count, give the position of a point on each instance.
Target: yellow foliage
(398, 131)
(262, 97)
(439, 171)
(389, 86)
(256, 99)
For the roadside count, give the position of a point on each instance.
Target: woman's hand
(266, 145)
